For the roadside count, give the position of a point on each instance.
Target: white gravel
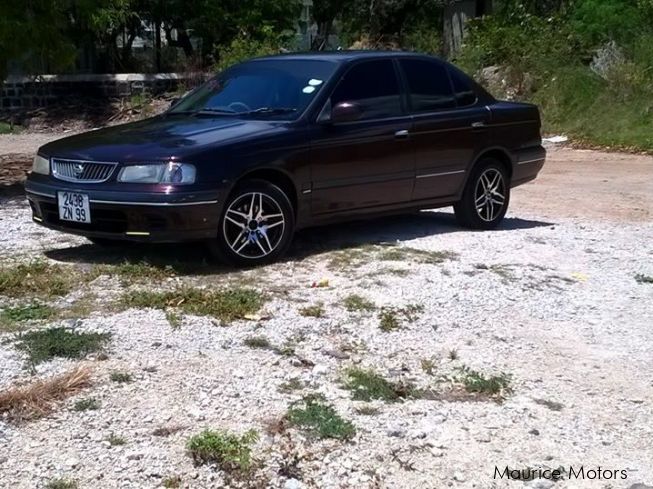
(553, 304)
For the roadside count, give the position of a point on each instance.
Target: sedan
(280, 143)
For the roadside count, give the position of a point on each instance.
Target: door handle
(478, 125)
(404, 134)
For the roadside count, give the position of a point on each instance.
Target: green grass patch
(478, 383)
(229, 451)
(116, 440)
(11, 317)
(43, 345)
(225, 305)
(260, 342)
(121, 377)
(62, 484)
(316, 311)
(6, 128)
(357, 303)
(172, 482)
(391, 318)
(402, 253)
(320, 419)
(644, 279)
(37, 278)
(291, 385)
(367, 385)
(88, 404)
(142, 271)
(174, 318)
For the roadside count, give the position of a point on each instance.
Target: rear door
(449, 126)
(369, 162)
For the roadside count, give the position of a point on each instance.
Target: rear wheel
(256, 226)
(486, 196)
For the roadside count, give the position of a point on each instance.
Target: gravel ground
(551, 301)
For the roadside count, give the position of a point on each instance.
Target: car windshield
(260, 88)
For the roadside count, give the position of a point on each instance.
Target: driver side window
(373, 85)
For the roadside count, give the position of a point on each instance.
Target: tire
(247, 237)
(485, 199)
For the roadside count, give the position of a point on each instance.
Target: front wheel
(486, 196)
(256, 226)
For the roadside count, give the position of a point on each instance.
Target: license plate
(74, 207)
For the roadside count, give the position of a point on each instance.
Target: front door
(366, 163)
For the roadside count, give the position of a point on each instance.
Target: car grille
(82, 171)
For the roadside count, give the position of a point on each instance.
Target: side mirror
(346, 112)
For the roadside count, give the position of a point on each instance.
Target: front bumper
(135, 216)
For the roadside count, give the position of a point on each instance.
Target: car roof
(340, 56)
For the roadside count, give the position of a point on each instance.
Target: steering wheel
(234, 105)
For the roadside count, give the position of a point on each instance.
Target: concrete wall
(44, 90)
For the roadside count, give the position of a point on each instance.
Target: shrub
(320, 419)
(231, 452)
(44, 345)
(366, 385)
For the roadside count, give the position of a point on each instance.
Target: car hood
(160, 138)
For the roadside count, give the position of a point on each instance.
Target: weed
(174, 319)
(321, 419)
(552, 405)
(368, 410)
(258, 342)
(164, 431)
(116, 440)
(644, 279)
(428, 365)
(291, 386)
(389, 317)
(225, 305)
(121, 377)
(453, 354)
(388, 320)
(401, 253)
(503, 271)
(367, 385)
(135, 272)
(172, 482)
(36, 278)
(11, 316)
(476, 382)
(44, 345)
(286, 350)
(355, 302)
(231, 452)
(61, 484)
(316, 310)
(87, 404)
(37, 399)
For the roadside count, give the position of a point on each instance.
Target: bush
(321, 419)
(231, 452)
(44, 345)
(244, 47)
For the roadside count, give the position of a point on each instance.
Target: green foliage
(321, 419)
(644, 279)
(36, 278)
(478, 383)
(7, 128)
(260, 342)
(10, 316)
(355, 302)
(316, 311)
(225, 305)
(62, 484)
(367, 385)
(116, 440)
(46, 344)
(87, 404)
(245, 47)
(390, 317)
(121, 377)
(231, 452)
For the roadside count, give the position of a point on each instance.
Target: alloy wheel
(490, 194)
(253, 225)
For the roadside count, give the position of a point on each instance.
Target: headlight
(178, 173)
(41, 165)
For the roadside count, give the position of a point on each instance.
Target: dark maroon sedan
(280, 143)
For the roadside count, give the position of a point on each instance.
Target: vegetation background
(587, 63)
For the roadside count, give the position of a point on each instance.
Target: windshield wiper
(269, 110)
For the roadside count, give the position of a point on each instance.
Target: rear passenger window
(428, 84)
(374, 86)
(463, 89)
